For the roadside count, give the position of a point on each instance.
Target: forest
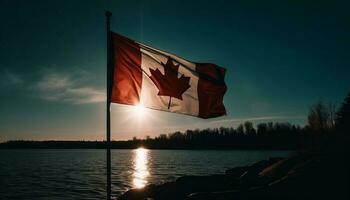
(327, 127)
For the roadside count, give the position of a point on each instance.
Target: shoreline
(208, 149)
(127, 145)
(300, 176)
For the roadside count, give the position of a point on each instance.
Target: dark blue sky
(280, 59)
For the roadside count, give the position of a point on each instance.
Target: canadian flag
(159, 80)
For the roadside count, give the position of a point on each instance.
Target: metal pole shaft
(109, 89)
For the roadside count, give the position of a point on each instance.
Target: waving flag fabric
(163, 81)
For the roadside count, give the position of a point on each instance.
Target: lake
(81, 174)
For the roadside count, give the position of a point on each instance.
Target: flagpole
(109, 93)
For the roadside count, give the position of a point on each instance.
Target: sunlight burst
(139, 111)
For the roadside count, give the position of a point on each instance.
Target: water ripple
(81, 174)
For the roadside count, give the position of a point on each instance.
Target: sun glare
(139, 111)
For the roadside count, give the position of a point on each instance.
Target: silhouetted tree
(332, 109)
(249, 129)
(321, 123)
(162, 136)
(343, 117)
(321, 117)
(240, 130)
(262, 129)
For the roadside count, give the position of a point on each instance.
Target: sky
(281, 57)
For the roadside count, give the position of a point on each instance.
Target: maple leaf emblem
(169, 84)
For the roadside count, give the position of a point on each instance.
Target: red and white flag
(159, 80)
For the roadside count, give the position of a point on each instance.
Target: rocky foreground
(303, 176)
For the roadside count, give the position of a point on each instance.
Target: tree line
(327, 127)
(265, 136)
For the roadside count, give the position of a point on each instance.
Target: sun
(139, 111)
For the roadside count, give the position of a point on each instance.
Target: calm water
(80, 174)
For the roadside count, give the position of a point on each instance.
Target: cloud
(70, 87)
(86, 95)
(54, 81)
(254, 119)
(10, 78)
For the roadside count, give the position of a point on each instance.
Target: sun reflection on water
(140, 167)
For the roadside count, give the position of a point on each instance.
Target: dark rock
(273, 160)
(282, 167)
(186, 185)
(236, 172)
(139, 194)
(303, 176)
(213, 182)
(211, 195)
(251, 194)
(250, 177)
